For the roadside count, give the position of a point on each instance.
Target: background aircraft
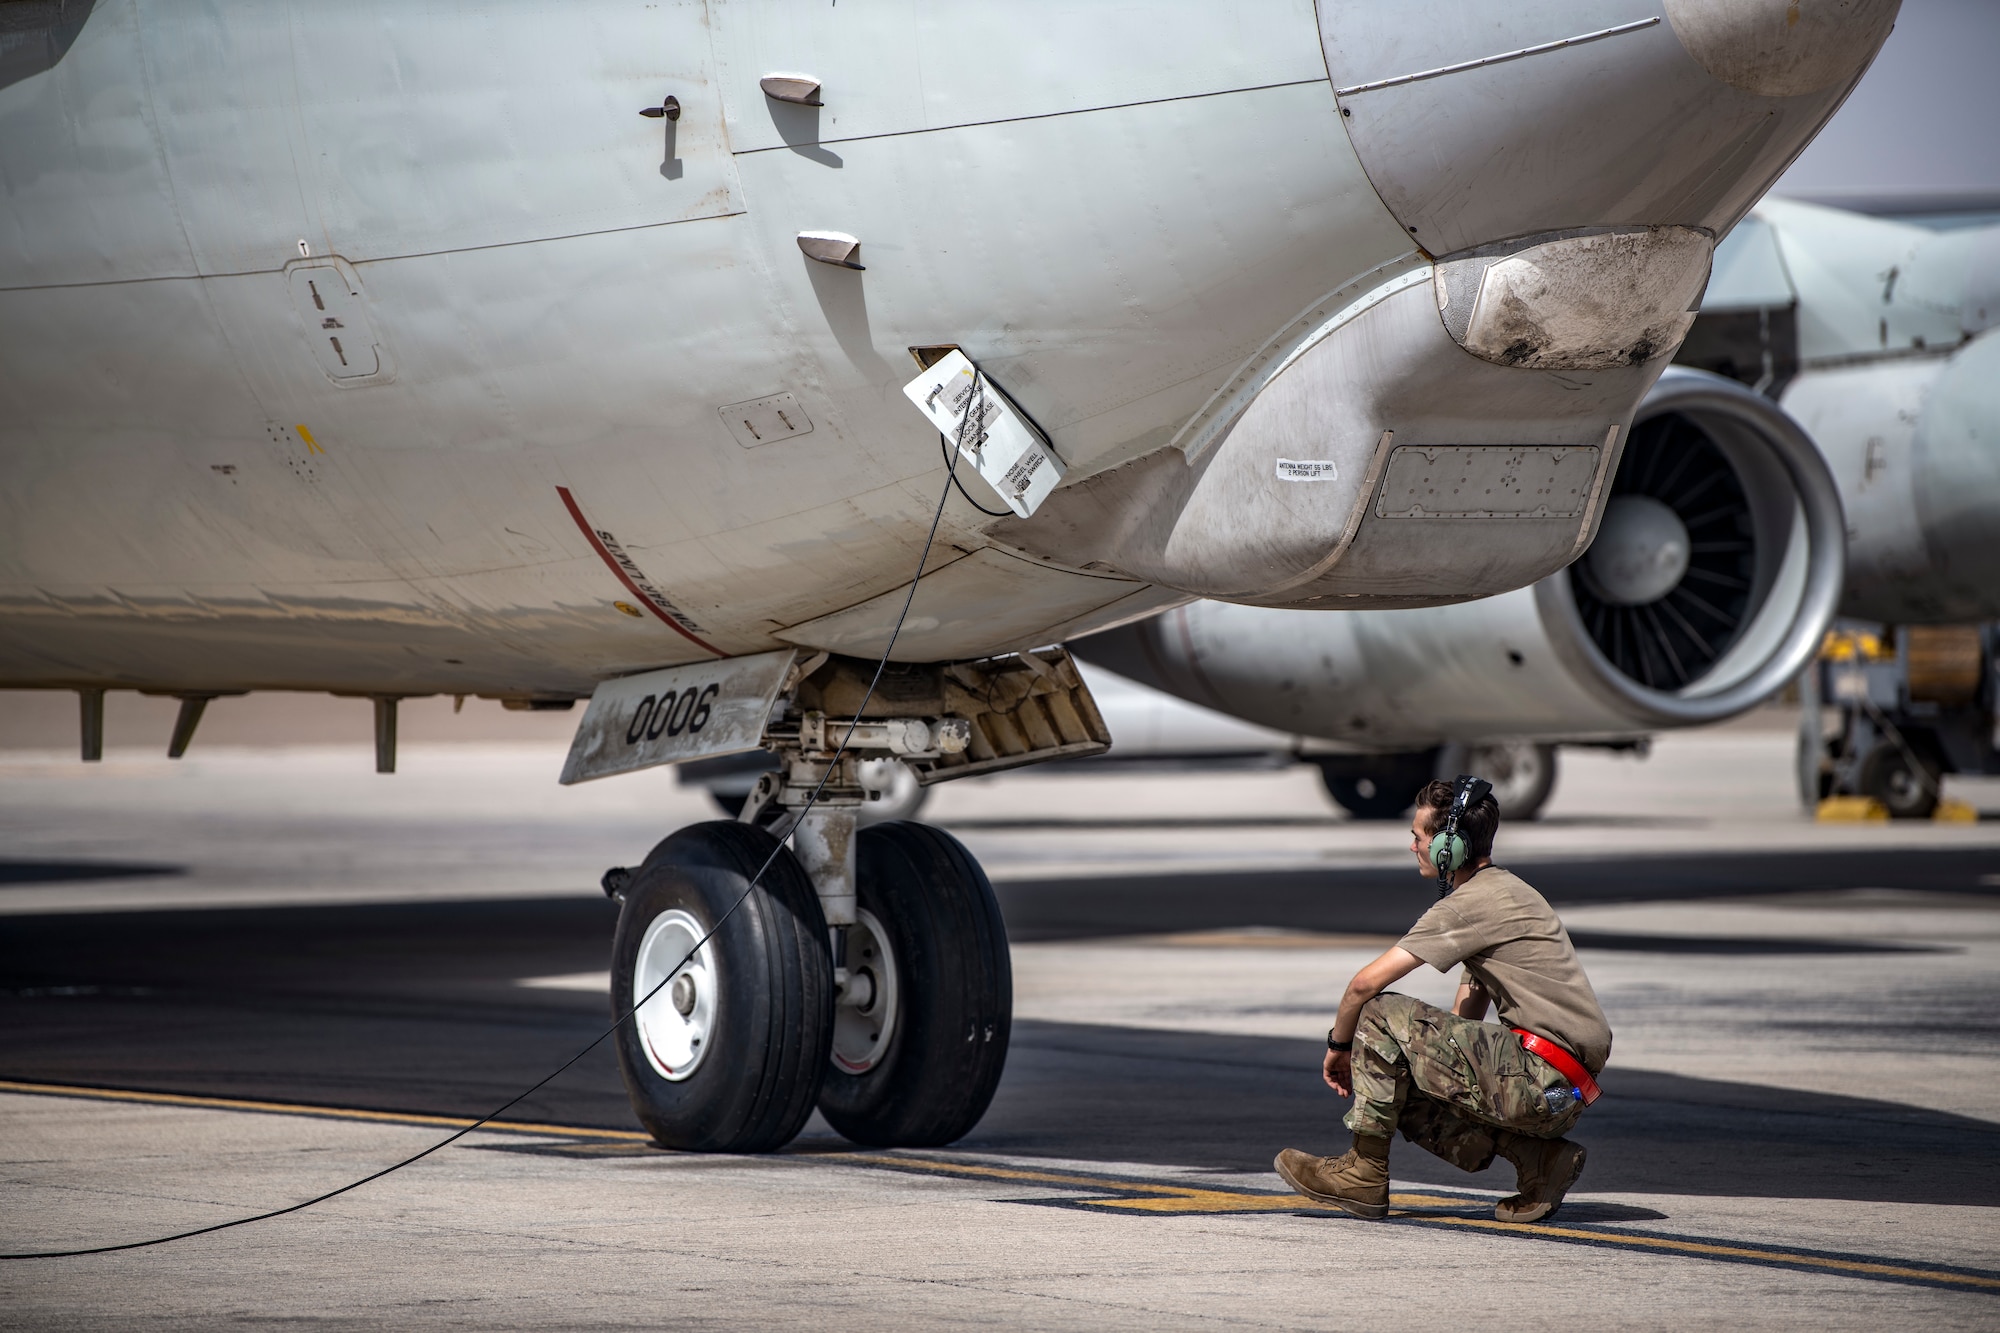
(1894, 330)
(546, 352)
(1877, 338)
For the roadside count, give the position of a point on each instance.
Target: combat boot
(1357, 1180)
(1544, 1170)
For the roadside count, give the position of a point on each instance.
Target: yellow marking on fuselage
(312, 445)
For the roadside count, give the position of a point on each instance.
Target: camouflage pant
(1449, 1083)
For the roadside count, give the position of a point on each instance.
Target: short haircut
(1477, 825)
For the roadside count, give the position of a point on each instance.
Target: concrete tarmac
(232, 983)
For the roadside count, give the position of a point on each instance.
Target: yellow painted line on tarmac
(1197, 1200)
(1155, 1198)
(307, 1109)
(1023, 1175)
(1150, 1197)
(1126, 1194)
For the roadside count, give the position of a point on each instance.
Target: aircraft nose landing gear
(867, 970)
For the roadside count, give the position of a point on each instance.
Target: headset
(1447, 847)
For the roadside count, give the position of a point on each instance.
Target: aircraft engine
(1713, 574)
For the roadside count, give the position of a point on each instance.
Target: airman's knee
(1384, 1014)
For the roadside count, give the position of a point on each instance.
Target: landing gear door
(677, 714)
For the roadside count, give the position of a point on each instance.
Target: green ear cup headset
(1447, 847)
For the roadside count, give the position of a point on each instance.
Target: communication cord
(973, 400)
(951, 462)
(972, 418)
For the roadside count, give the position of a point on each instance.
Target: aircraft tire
(739, 1067)
(952, 991)
(1377, 786)
(1906, 790)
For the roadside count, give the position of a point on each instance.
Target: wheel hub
(676, 1025)
(865, 1008)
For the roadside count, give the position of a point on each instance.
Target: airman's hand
(1339, 1072)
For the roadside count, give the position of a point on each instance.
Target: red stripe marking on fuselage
(611, 563)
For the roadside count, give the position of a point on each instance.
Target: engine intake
(1718, 562)
(1708, 585)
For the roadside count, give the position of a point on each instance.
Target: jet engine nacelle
(1713, 575)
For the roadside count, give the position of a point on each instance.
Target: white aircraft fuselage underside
(365, 348)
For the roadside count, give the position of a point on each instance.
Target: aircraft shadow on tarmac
(65, 872)
(1379, 901)
(1228, 1103)
(1006, 823)
(975, 824)
(415, 1007)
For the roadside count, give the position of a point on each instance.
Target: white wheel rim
(675, 1043)
(861, 1033)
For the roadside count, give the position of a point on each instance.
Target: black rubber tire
(1378, 786)
(1906, 791)
(1815, 771)
(949, 1044)
(756, 1085)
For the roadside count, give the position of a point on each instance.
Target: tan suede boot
(1357, 1180)
(1544, 1170)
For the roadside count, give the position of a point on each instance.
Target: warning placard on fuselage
(989, 432)
(676, 714)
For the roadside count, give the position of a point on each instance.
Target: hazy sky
(1926, 116)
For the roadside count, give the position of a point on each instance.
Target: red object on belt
(1565, 1064)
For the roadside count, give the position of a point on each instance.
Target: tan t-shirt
(1513, 944)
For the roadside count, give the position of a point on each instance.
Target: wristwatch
(1341, 1046)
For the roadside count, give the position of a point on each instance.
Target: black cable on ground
(951, 479)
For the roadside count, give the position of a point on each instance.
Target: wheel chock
(1851, 810)
(1954, 812)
